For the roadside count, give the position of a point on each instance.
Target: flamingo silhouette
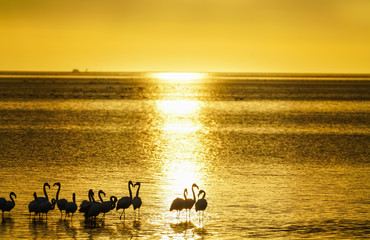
(94, 209)
(61, 203)
(45, 207)
(179, 203)
(125, 202)
(9, 205)
(32, 206)
(71, 207)
(201, 204)
(84, 206)
(136, 202)
(107, 206)
(189, 203)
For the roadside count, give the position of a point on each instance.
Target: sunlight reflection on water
(282, 168)
(182, 163)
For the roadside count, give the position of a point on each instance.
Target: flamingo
(94, 208)
(179, 203)
(71, 207)
(201, 204)
(136, 202)
(46, 198)
(107, 206)
(9, 205)
(189, 203)
(61, 203)
(45, 207)
(84, 206)
(125, 202)
(32, 206)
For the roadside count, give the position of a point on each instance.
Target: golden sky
(186, 35)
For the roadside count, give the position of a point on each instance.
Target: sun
(178, 76)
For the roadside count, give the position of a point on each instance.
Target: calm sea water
(278, 159)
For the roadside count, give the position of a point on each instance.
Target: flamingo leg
(122, 213)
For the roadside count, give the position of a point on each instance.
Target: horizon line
(76, 72)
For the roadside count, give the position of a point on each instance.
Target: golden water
(272, 167)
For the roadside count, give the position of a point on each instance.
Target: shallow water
(278, 159)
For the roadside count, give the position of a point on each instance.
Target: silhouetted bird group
(180, 203)
(91, 209)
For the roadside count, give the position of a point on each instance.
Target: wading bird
(189, 203)
(61, 203)
(32, 206)
(107, 206)
(136, 202)
(179, 203)
(94, 209)
(71, 207)
(201, 204)
(125, 202)
(9, 205)
(84, 206)
(45, 207)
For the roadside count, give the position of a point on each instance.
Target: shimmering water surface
(278, 159)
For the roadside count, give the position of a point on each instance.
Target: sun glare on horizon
(178, 76)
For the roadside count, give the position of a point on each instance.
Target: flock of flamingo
(91, 209)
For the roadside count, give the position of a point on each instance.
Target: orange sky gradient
(327, 36)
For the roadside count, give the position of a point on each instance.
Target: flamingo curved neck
(74, 198)
(46, 195)
(204, 194)
(11, 197)
(192, 189)
(58, 192)
(185, 193)
(137, 192)
(100, 197)
(129, 189)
